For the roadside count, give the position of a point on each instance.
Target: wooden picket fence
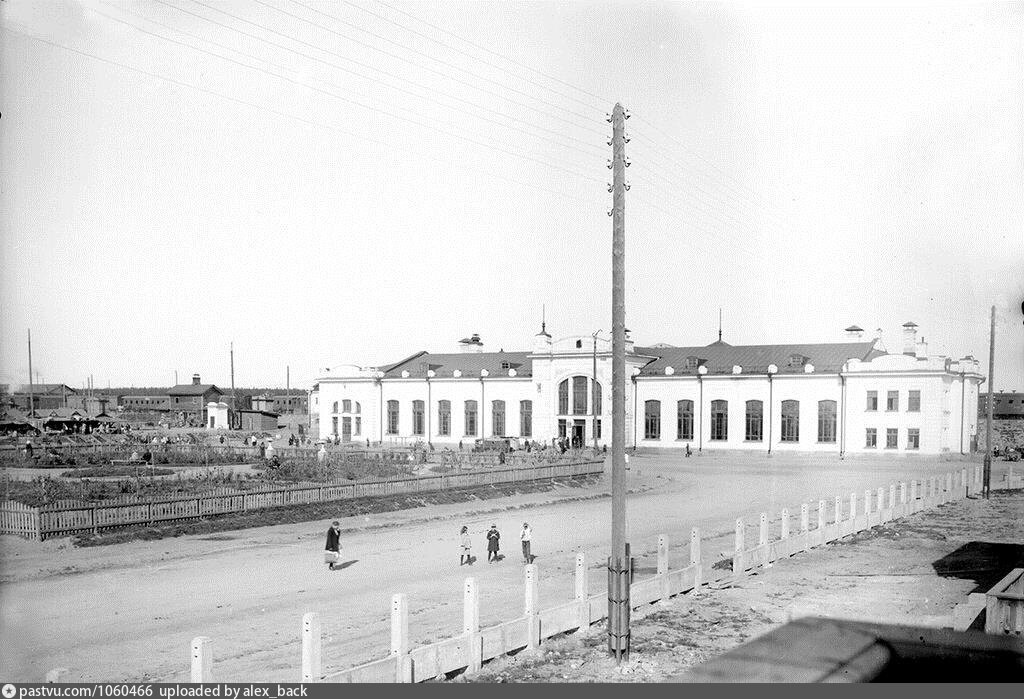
(69, 517)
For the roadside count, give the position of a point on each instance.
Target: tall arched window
(579, 395)
(358, 408)
(719, 420)
(684, 420)
(335, 407)
(417, 417)
(595, 406)
(755, 420)
(444, 418)
(470, 418)
(652, 419)
(563, 397)
(790, 421)
(827, 421)
(392, 417)
(526, 418)
(498, 418)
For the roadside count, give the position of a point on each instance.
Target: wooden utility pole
(288, 385)
(987, 477)
(234, 406)
(31, 386)
(618, 562)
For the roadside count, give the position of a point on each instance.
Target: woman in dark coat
(332, 551)
(492, 543)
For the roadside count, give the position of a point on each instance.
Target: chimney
(910, 338)
(855, 332)
(921, 349)
(195, 379)
(471, 344)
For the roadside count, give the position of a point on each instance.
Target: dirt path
(129, 611)
(912, 571)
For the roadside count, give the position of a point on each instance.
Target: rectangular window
(561, 429)
(526, 418)
(914, 402)
(652, 419)
(684, 420)
(498, 418)
(392, 417)
(470, 418)
(827, 421)
(579, 395)
(417, 417)
(444, 418)
(790, 421)
(890, 437)
(334, 426)
(755, 420)
(597, 429)
(719, 420)
(346, 406)
(913, 438)
(871, 439)
(872, 401)
(892, 401)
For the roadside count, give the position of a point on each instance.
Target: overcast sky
(327, 183)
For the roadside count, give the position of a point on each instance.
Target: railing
(49, 520)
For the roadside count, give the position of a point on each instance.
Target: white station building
(846, 397)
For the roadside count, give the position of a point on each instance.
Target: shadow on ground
(982, 562)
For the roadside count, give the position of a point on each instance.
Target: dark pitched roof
(41, 389)
(469, 363)
(720, 357)
(192, 389)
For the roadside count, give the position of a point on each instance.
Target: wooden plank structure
(1004, 605)
(70, 517)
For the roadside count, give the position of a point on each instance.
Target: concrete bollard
(202, 660)
(400, 644)
(762, 531)
(582, 593)
(737, 555)
(531, 606)
(892, 495)
(839, 509)
(57, 675)
(867, 502)
(695, 558)
(880, 499)
(785, 524)
(471, 625)
(805, 517)
(821, 516)
(312, 646)
(853, 505)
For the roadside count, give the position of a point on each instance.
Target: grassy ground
(912, 571)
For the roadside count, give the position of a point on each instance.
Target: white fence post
(892, 495)
(867, 502)
(663, 566)
(839, 510)
(821, 518)
(913, 491)
(532, 600)
(202, 660)
(949, 486)
(311, 648)
(805, 518)
(582, 594)
(471, 625)
(737, 556)
(784, 534)
(853, 505)
(400, 637)
(695, 558)
(880, 500)
(762, 533)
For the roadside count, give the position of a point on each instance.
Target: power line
(374, 48)
(465, 53)
(604, 100)
(308, 122)
(594, 149)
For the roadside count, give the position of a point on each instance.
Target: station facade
(844, 397)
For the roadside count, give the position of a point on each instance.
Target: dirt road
(129, 611)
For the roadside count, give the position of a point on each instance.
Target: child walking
(466, 546)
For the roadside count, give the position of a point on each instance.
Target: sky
(352, 182)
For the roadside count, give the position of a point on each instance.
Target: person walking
(524, 537)
(493, 536)
(466, 556)
(332, 551)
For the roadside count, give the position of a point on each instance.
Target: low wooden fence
(49, 521)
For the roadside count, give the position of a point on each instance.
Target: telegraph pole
(31, 386)
(987, 478)
(288, 385)
(234, 407)
(618, 562)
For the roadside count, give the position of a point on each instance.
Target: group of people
(493, 545)
(332, 550)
